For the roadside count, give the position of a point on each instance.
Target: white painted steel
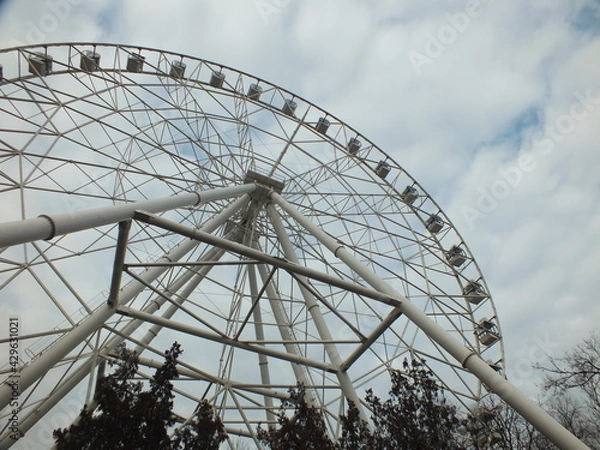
(183, 282)
(50, 226)
(32, 372)
(317, 316)
(95, 145)
(249, 252)
(547, 425)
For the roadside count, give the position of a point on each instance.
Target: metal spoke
(258, 301)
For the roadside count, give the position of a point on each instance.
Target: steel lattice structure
(151, 196)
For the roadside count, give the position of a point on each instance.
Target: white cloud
(455, 127)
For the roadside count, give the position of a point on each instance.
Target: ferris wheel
(150, 197)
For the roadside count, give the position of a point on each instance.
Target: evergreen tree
(206, 432)
(356, 434)
(416, 416)
(305, 430)
(128, 417)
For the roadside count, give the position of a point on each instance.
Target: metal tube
(193, 331)
(375, 334)
(115, 284)
(315, 312)
(392, 300)
(41, 409)
(535, 415)
(196, 374)
(263, 362)
(283, 324)
(48, 226)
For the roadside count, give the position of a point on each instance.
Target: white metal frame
(315, 265)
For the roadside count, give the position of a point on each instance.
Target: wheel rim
(82, 136)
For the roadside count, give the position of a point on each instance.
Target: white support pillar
(315, 312)
(199, 274)
(226, 340)
(263, 362)
(283, 324)
(30, 373)
(200, 235)
(539, 418)
(48, 226)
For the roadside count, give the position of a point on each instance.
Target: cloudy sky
(494, 107)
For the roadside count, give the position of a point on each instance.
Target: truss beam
(388, 299)
(539, 418)
(194, 331)
(49, 226)
(32, 372)
(316, 314)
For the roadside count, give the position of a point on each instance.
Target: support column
(283, 324)
(263, 362)
(317, 316)
(98, 318)
(47, 227)
(535, 415)
(198, 275)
